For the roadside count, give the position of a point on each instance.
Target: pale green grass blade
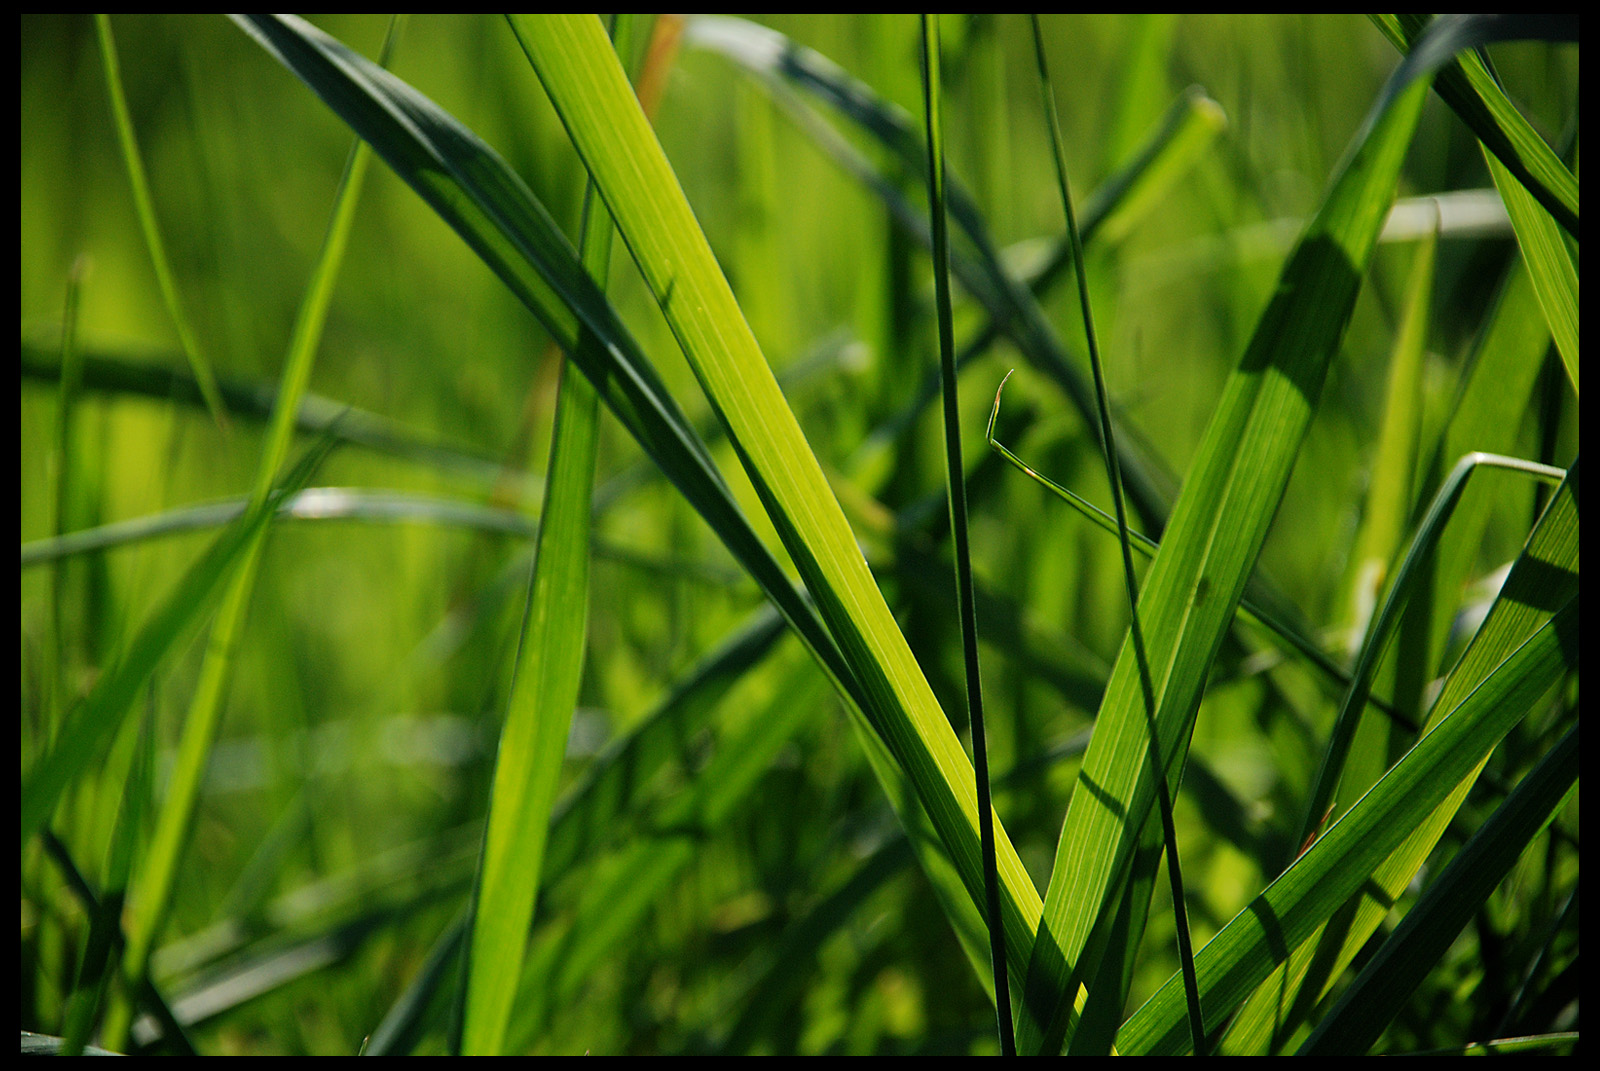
(622, 154)
(1471, 91)
(90, 725)
(198, 362)
(955, 483)
(1550, 266)
(1425, 934)
(150, 895)
(1198, 576)
(1338, 864)
(1545, 575)
(544, 692)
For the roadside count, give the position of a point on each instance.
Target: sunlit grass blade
(544, 691)
(1426, 933)
(204, 375)
(1550, 266)
(622, 154)
(1339, 863)
(1545, 575)
(1471, 91)
(955, 483)
(1198, 576)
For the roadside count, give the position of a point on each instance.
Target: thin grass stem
(955, 474)
(1108, 445)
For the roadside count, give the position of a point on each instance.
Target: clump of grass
(640, 823)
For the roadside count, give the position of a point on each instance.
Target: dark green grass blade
(955, 482)
(1114, 994)
(1545, 576)
(1380, 991)
(1467, 86)
(1338, 864)
(1199, 574)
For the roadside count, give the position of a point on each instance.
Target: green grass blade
(92, 723)
(1290, 640)
(955, 482)
(622, 154)
(1545, 575)
(150, 895)
(1338, 864)
(1198, 576)
(1426, 933)
(1467, 86)
(198, 362)
(1112, 994)
(544, 692)
(1550, 266)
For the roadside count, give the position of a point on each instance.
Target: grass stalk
(955, 481)
(199, 363)
(1108, 444)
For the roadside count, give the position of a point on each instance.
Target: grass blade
(955, 481)
(201, 366)
(1426, 933)
(1467, 86)
(1206, 556)
(622, 154)
(1336, 866)
(1550, 266)
(544, 691)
